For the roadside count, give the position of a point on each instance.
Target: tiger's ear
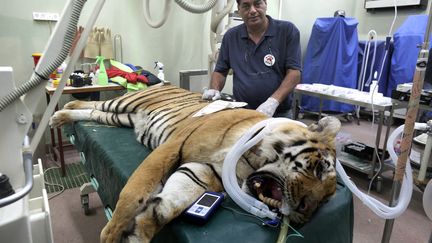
(327, 126)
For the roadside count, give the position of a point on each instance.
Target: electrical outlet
(45, 16)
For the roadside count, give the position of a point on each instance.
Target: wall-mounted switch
(44, 16)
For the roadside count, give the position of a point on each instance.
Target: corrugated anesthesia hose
(229, 178)
(41, 72)
(194, 8)
(259, 209)
(218, 16)
(380, 209)
(185, 4)
(165, 11)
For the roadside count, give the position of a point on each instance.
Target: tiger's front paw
(109, 234)
(297, 218)
(59, 119)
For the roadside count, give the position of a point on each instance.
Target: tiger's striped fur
(294, 164)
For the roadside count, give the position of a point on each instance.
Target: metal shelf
(385, 106)
(355, 163)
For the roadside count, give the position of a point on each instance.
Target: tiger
(292, 168)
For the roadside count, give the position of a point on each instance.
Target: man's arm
(217, 81)
(292, 78)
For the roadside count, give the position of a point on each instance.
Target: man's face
(253, 12)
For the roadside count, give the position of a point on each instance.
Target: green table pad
(112, 154)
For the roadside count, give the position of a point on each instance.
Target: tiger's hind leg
(181, 189)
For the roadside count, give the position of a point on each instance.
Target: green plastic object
(102, 76)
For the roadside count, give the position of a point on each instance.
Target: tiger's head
(299, 172)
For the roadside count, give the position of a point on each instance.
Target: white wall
(181, 44)
(381, 20)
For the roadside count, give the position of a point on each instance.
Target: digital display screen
(207, 200)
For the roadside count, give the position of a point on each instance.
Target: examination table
(111, 154)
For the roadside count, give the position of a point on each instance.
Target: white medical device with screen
(200, 211)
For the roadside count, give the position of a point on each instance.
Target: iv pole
(412, 110)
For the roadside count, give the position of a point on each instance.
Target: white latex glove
(268, 107)
(211, 94)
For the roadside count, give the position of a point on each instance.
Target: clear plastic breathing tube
(255, 207)
(374, 37)
(229, 177)
(361, 80)
(376, 206)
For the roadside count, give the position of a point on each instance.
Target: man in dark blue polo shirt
(264, 55)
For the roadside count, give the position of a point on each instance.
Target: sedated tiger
(291, 169)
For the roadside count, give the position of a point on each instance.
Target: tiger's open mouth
(267, 188)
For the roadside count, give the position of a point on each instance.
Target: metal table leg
(377, 143)
(295, 105)
(389, 123)
(320, 109)
(57, 149)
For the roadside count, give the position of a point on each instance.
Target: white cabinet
(28, 219)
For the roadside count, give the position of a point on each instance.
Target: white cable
(389, 35)
(365, 54)
(394, 18)
(280, 9)
(379, 167)
(374, 37)
(62, 187)
(372, 94)
(387, 48)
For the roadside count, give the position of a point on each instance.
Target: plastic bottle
(60, 70)
(160, 74)
(102, 77)
(373, 88)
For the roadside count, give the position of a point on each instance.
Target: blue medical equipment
(201, 210)
(406, 41)
(331, 58)
(379, 53)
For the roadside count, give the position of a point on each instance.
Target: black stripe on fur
(189, 173)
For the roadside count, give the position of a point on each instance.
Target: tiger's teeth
(270, 201)
(257, 185)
